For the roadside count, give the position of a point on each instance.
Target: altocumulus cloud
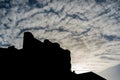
(89, 28)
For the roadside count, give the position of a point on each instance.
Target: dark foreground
(39, 60)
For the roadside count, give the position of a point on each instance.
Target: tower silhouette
(42, 60)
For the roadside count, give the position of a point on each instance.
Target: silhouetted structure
(42, 60)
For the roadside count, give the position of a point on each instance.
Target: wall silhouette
(41, 60)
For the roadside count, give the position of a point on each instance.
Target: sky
(112, 73)
(88, 28)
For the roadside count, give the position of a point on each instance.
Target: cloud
(108, 58)
(111, 73)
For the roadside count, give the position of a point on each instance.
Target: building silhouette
(40, 60)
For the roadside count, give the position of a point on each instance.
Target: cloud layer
(89, 28)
